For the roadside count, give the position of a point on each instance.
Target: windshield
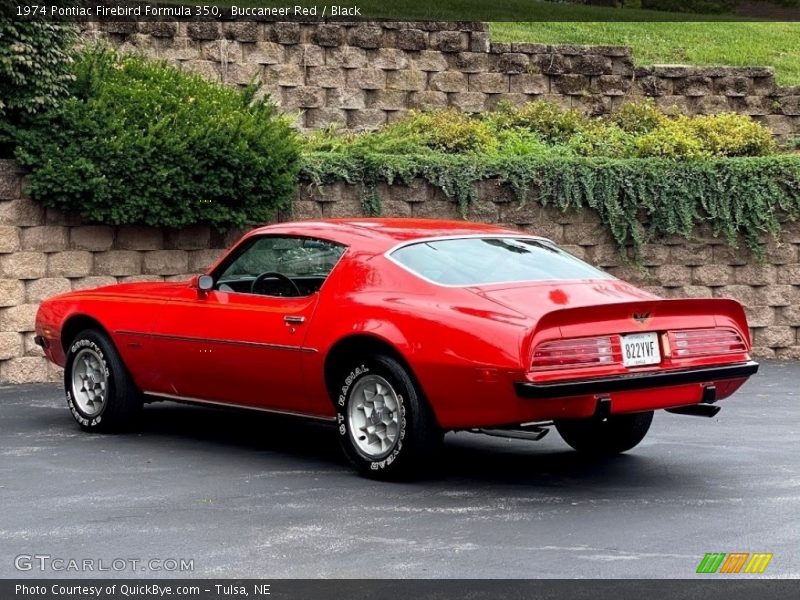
(479, 261)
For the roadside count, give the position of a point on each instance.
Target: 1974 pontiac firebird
(397, 331)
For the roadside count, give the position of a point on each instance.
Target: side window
(281, 266)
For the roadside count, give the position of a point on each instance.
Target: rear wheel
(385, 426)
(100, 392)
(609, 436)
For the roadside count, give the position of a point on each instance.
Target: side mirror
(204, 283)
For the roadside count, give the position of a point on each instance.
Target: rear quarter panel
(458, 345)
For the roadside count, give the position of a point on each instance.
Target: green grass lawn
(745, 44)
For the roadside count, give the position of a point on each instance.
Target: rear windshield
(477, 261)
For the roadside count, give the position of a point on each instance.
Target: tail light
(578, 352)
(704, 342)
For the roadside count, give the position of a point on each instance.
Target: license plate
(640, 349)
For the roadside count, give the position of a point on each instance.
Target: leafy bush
(34, 62)
(554, 124)
(639, 117)
(639, 129)
(141, 142)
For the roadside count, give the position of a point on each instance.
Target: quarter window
(481, 261)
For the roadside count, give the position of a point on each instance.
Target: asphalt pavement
(235, 494)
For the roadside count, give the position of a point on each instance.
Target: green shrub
(637, 129)
(141, 142)
(554, 124)
(34, 62)
(639, 117)
(729, 134)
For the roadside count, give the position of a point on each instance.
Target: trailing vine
(637, 200)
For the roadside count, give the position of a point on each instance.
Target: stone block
(571, 84)
(37, 290)
(390, 59)
(18, 318)
(448, 81)
(91, 237)
(673, 275)
(325, 77)
(590, 64)
(406, 79)
(93, 281)
(45, 238)
(488, 83)
(365, 36)
(285, 75)
(347, 98)
(72, 263)
(21, 212)
(450, 41)
(23, 265)
(513, 62)
(411, 39)
(429, 60)
(711, 275)
(286, 33)
(241, 31)
(387, 99)
(328, 35)
(527, 83)
(303, 97)
(468, 101)
(9, 239)
(265, 53)
(203, 30)
(318, 118)
(346, 57)
(11, 345)
(135, 237)
(776, 336)
(305, 55)
(366, 79)
(118, 262)
(12, 292)
(26, 369)
(472, 62)
(427, 100)
(368, 118)
(165, 262)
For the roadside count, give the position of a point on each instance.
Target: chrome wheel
(89, 382)
(374, 416)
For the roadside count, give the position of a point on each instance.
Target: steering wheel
(288, 283)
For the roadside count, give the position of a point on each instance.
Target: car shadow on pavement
(467, 457)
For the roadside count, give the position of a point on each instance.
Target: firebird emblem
(642, 317)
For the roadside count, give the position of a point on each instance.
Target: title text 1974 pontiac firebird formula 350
(397, 331)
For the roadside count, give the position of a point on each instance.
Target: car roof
(380, 234)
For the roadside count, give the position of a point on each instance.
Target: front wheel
(100, 392)
(612, 435)
(385, 426)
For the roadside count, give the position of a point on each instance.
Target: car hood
(139, 289)
(534, 299)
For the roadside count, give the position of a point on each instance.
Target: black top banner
(407, 10)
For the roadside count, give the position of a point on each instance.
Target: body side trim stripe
(188, 338)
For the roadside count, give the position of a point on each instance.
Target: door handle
(294, 320)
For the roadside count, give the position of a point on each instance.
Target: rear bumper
(635, 381)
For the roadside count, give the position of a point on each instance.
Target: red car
(398, 330)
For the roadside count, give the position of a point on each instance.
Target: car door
(242, 342)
